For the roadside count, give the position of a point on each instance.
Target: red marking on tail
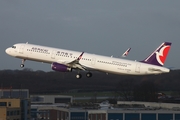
(165, 53)
(162, 54)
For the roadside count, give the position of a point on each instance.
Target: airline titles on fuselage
(47, 51)
(39, 49)
(123, 66)
(120, 64)
(64, 53)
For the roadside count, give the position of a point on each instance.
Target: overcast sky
(105, 27)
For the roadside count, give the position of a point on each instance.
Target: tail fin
(158, 57)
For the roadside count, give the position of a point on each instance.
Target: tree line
(40, 82)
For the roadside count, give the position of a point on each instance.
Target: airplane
(125, 54)
(63, 60)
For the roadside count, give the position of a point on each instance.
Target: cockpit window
(14, 47)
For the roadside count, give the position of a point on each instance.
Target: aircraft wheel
(22, 65)
(78, 76)
(89, 74)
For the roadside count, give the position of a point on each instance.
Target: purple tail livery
(158, 57)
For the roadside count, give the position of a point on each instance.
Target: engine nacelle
(60, 67)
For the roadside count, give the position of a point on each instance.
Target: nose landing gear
(22, 65)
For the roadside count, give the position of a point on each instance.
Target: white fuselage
(92, 61)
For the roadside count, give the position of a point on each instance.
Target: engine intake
(60, 67)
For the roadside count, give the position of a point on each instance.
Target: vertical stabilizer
(158, 57)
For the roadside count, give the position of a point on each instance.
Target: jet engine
(60, 67)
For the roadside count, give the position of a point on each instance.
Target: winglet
(126, 52)
(158, 57)
(79, 58)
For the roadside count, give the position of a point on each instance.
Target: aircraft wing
(74, 64)
(77, 60)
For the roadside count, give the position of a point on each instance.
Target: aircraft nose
(7, 50)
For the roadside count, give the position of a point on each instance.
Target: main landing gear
(88, 75)
(78, 76)
(22, 65)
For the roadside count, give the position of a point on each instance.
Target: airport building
(14, 109)
(121, 111)
(14, 104)
(14, 93)
(50, 99)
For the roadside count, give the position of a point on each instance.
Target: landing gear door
(21, 49)
(138, 66)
